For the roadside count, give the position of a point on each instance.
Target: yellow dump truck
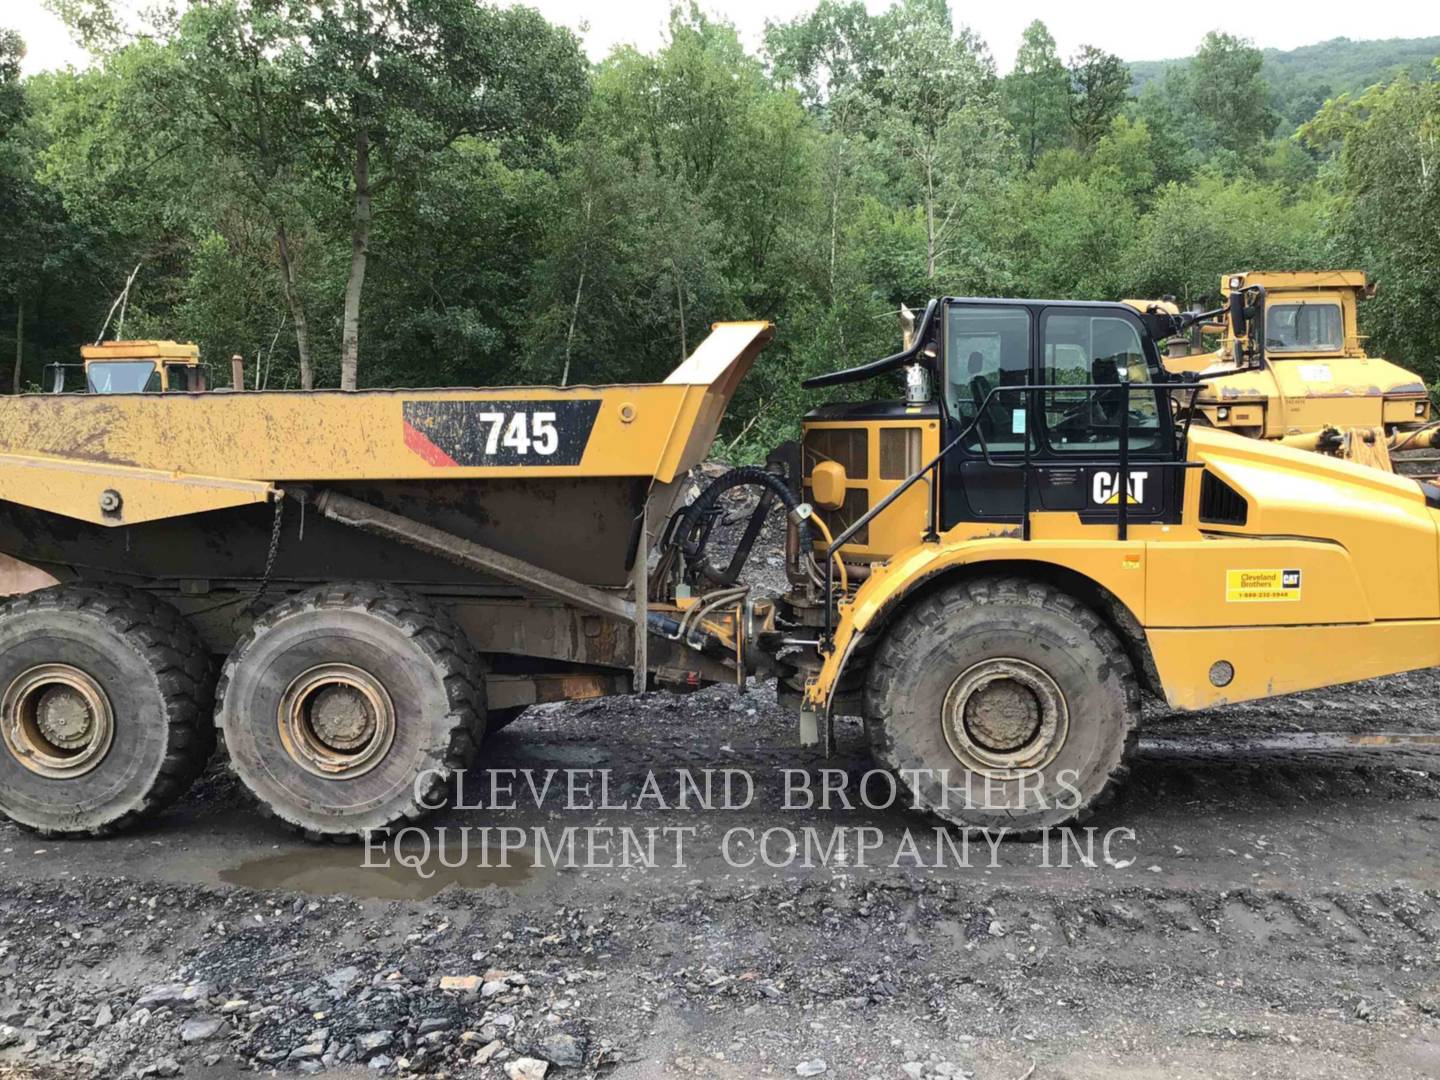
(1308, 381)
(131, 367)
(350, 588)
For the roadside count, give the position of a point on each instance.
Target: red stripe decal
(416, 441)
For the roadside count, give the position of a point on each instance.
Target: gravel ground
(1275, 914)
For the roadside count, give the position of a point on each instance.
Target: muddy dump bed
(177, 488)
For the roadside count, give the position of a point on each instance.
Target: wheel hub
(337, 721)
(57, 721)
(1005, 718)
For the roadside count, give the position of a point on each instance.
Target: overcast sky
(1134, 30)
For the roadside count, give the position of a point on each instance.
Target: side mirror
(907, 327)
(827, 485)
(1237, 313)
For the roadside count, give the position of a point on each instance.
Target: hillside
(1301, 79)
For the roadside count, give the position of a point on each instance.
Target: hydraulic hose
(695, 522)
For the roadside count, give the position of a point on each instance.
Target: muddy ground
(1274, 912)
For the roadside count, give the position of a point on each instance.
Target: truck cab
(1313, 372)
(1050, 400)
(133, 367)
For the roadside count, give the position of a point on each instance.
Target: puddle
(342, 871)
(1290, 742)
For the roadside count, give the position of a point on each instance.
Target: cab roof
(1299, 279)
(141, 350)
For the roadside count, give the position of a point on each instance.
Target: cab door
(1055, 378)
(987, 350)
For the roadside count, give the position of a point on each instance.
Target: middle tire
(348, 708)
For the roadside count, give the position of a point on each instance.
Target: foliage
(427, 192)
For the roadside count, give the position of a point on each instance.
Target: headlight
(1222, 413)
(1421, 407)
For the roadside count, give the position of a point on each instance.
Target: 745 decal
(481, 433)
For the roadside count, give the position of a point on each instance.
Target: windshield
(1303, 328)
(123, 377)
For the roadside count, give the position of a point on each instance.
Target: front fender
(1118, 566)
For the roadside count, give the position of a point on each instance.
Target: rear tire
(341, 700)
(1003, 703)
(105, 695)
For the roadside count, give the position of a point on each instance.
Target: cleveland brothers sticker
(1244, 586)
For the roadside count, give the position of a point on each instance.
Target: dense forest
(377, 192)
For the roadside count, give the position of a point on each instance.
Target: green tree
(1099, 85)
(1386, 216)
(1037, 94)
(389, 84)
(1226, 90)
(937, 110)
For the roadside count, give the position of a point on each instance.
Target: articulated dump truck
(1298, 371)
(351, 588)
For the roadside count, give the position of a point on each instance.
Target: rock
(526, 1068)
(307, 1051)
(105, 1017)
(434, 1023)
(343, 979)
(9, 1035)
(1364, 1010)
(380, 1061)
(813, 1067)
(201, 1029)
(373, 1041)
(175, 995)
(464, 983)
(562, 1049)
(163, 1067)
(234, 1005)
(912, 1069)
(490, 989)
(489, 1050)
(497, 975)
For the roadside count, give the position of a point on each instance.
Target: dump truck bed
(174, 487)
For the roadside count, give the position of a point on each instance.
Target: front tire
(349, 708)
(1003, 703)
(105, 695)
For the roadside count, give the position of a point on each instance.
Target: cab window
(1097, 351)
(1303, 328)
(123, 377)
(177, 377)
(987, 348)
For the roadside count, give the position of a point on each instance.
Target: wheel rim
(57, 721)
(1005, 718)
(337, 721)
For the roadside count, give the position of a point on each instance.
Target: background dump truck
(351, 587)
(130, 367)
(1308, 380)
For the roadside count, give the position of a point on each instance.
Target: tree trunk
(359, 246)
(929, 221)
(680, 302)
(570, 332)
(297, 308)
(579, 290)
(19, 341)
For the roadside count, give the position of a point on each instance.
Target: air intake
(1220, 504)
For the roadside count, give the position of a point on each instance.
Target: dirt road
(1268, 905)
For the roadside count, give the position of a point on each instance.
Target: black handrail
(1027, 465)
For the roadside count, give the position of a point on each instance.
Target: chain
(274, 549)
